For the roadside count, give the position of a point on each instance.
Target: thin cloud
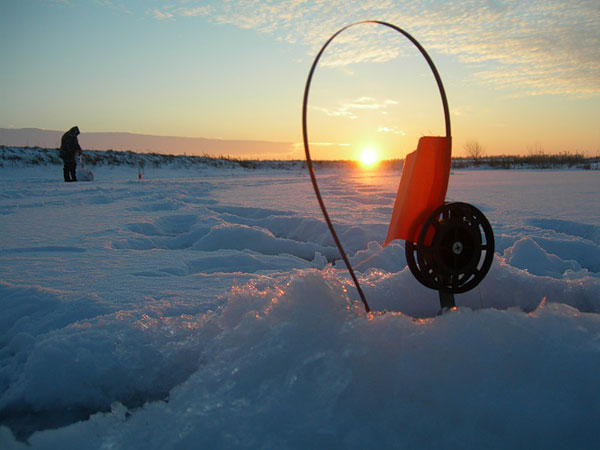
(391, 130)
(297, 146)
(172, 11)
(160, 15)
(327, 144)
(336, 112)
(554, 44)
(526, 47)
(198, 11)
(350, 108)
(370, 103)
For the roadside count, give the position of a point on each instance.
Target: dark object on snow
(454, 250)
(83, 173)
(454, 242)
(69, 148)
(69, 169)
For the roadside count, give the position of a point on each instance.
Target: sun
(369, 157)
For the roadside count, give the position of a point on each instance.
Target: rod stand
(446, 300)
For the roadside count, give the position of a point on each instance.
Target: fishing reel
(453, 252)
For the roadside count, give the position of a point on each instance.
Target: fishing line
(309, 163)
(364, 261)
(480, 298)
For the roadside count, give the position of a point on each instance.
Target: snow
(208, 308)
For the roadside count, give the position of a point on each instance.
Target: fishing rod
(305, 133)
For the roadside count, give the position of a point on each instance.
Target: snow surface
(200, 309)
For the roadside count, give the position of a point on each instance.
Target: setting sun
(369, 157)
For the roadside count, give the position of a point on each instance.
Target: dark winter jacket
(69, 145)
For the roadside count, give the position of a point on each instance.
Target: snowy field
(206, 309)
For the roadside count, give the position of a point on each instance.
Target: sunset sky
(520, 75)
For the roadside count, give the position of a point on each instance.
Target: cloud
(391, 129)
(195, 12)
(171, 11)
(350, 108)
(160, 15)
(526, 47)
(327, 144)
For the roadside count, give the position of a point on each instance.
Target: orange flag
(422, 189)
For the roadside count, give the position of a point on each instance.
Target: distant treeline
(537, 160)
(37, 156)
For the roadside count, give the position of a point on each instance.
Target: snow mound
(527, 254)
(586, 231)
(299, 365)
(243, 237)
(391, 258)
(401, 292)
(246, 262)
(62, 361)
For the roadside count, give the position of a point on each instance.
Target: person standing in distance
(69, 147)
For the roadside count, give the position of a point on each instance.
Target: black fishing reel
(453, 252)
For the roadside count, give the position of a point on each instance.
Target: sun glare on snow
(369, 157)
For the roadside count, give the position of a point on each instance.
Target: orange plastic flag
(422, 189)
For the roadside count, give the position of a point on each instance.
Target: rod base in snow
(453, 252)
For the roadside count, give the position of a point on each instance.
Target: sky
(521, 76)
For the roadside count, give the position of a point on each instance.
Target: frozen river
(200, 308)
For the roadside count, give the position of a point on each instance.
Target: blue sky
(520, 75)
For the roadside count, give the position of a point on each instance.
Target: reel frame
(454, 250)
